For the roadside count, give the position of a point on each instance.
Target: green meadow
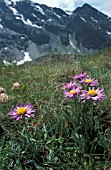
(64, 134)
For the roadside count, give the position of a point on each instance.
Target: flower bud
(2, 90)
(3, 97)
(16, 86)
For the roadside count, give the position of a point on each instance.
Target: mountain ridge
(36, 29)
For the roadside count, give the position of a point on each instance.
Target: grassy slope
(41, 84)
(43, 81)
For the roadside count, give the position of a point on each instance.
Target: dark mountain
(32, 29)
(92, 28)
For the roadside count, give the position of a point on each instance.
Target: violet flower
(89, 81)
(73, 93)
(80, 76)
(94, 95)
(25, 110)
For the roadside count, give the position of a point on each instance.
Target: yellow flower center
(72, 91)
(21, 111)
(88, 80)
(92, 93)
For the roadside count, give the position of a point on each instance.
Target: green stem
(91, 119)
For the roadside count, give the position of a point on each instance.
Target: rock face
(28, 27)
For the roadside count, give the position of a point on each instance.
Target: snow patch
(83, 19)
(22, 38)
(18, 17)
(94, 19)
(28, 22)
(15, 12)
(40, 9)
(69, 12)
(34, 15)
(57, 15)
(7, 2)
(21, 17)
(1, 26)
(108, 32)
(26, 59)
(49, 19)
(72, 44)
(6, 63)
(15, 1)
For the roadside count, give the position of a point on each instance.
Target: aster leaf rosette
(21, 111)
(93, 94)
(73, 93)
(80, 76)
(90, 81)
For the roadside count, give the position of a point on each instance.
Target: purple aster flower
(68, 85)
(72, 93)
(89, 81)
(20, 111)
(71, 85)
(80, 76)
(94, 95)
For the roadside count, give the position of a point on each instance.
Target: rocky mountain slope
(29, 30)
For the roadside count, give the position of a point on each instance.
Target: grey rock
(40, 30)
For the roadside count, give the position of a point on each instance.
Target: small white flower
(16, 86)
(3, 97)
(2, 90)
